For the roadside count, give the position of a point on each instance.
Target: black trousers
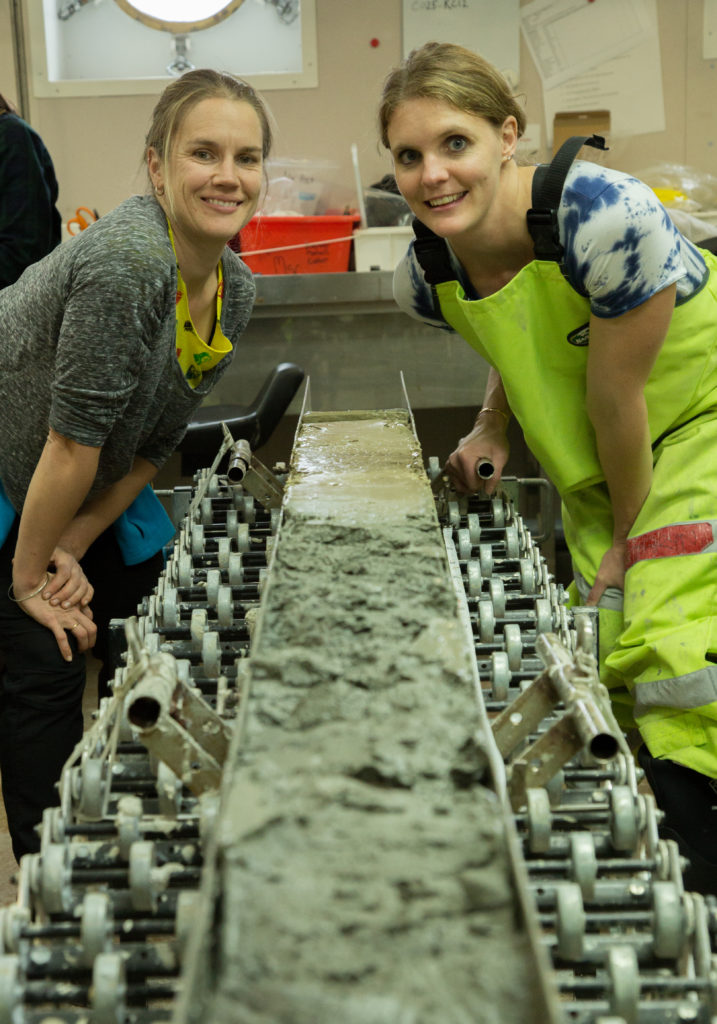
(689, 802)
(41, 693)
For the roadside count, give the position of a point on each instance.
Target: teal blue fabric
(143, 528)
(7, 515)
(141, 531)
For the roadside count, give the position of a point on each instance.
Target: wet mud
(364, 872)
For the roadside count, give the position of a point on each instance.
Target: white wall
(96, 142)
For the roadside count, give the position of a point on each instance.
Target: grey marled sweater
(87, 344)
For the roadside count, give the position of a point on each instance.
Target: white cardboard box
(380, 248)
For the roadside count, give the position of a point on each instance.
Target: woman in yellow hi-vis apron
(599, 321)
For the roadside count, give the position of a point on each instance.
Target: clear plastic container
(297, 186)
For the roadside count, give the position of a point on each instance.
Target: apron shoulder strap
(548, 183)
(432, 254)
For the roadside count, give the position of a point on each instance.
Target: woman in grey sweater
(108, 344)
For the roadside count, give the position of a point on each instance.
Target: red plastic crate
(300, 245)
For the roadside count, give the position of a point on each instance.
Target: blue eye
(407, 156)
(457, 143)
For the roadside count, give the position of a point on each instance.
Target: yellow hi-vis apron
(657, 652)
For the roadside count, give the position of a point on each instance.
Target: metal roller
(150, 859)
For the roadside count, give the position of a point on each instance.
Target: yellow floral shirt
(195, 355)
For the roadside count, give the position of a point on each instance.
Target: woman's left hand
(68, 586)
(610, 574)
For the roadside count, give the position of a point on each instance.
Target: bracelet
(39, 590)
(489, 408)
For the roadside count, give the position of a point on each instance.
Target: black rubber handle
(254, 423)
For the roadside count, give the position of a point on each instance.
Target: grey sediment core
(361, 858)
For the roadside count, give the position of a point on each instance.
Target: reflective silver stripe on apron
(611, 599)
(693, 690)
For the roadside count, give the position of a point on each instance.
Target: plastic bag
(680, 187)
(692, 226)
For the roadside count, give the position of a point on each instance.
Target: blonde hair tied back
(455, 75)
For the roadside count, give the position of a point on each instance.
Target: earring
(159, 190)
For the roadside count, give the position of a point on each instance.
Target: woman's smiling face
(215, 173)
(447, 163)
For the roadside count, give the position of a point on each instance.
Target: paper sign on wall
(598, 56)
(569, 37)
(484, 26)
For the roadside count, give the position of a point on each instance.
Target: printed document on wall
(569, 37)
(625, 79)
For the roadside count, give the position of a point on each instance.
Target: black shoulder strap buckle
(548, 183)
(543, 228)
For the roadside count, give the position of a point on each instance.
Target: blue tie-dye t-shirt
(620, 246)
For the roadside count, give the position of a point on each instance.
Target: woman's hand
(61, 621)
(488, 441)
(611, 573)
(69, 585)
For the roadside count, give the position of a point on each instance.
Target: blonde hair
(183, 94)
(455, 75)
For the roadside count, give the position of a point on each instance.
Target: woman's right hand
(68, 586)
(61, 621)
(488, 441)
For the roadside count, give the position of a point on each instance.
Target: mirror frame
(177, 27)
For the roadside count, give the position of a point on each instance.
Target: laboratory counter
(353, 342)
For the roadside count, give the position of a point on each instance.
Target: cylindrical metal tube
(577, 694)
(152, 695)
(593, 729)
(239, 461)
(485, 469)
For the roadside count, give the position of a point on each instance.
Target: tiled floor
(8, 864)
